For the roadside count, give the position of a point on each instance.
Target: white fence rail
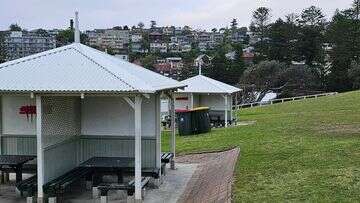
(275, 101)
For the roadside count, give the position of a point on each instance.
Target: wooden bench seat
(58, 185)
(29, 186)
(167, 157)
(128, 187)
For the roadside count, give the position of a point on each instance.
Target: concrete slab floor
(7, 191)
(174, 184)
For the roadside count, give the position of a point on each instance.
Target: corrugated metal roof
(203, 84)
(79, 68)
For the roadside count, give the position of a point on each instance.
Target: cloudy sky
(202, 14)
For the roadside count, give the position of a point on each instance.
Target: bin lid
(201, 108)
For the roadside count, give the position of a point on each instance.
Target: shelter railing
(282, 100)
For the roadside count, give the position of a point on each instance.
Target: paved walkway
(212, 181)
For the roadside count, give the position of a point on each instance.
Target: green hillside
(297, 151)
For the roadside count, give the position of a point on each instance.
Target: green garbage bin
(201, 120)
(184, 121)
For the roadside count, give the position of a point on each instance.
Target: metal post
(40, 150)
(173, 130)
(137, 109)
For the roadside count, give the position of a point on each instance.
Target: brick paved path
(213, 178)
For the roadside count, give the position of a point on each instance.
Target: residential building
(155, 36)
(136, 37)
(169, 67)
(217, 37)
(19, 44)
(158, 47)
(54, 32)
(168, 30)
(174, 47)
(204, 37)
(115, 40)
(137, 43)
(124, 57)
(186, 48)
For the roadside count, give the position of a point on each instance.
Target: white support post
(40, 150)
(137, 109)
(226, 109)
(231, 109)
(173, 130)
(0, 131)
(158, 130)
(191, 100)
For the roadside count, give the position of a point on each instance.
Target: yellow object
(200, 108)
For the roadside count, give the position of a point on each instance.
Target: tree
(259, 26)
(2, 47)
(141, 25)
(237, 66)
(41, 32)
(283, 37)
(356, 7)
(354, 75)
(234, 24)
(148, 61)
(298, 80)
(343, 33)
(117, 28)
(219, 65)
(186, 30)
(214, 30)
(153, 24)
(67, 36)
(15, 27)
(312, 16)
(264, 75)
(311, 39)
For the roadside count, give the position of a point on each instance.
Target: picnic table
(15, 162)
(113, 165)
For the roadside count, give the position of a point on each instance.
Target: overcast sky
(202, 14)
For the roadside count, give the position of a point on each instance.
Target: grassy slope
(303, 150)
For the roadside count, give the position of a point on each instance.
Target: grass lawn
(297, 151)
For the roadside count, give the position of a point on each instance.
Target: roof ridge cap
(135, 66)
(103, 68)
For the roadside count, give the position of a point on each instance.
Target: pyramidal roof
(79, 68)
(203, 84)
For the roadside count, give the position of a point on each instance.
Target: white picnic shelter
(202, 91)
(88, 104)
